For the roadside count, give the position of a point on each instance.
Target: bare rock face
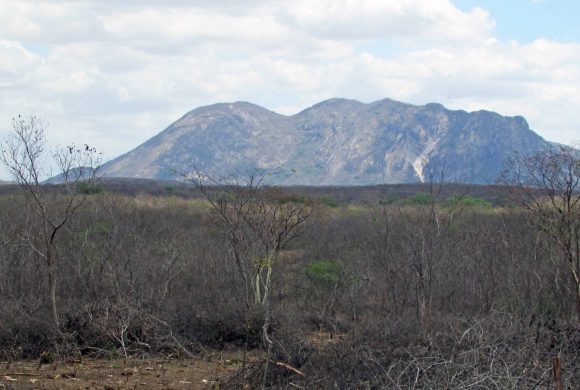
(335, 142)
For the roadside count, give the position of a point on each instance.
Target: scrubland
(392, 292)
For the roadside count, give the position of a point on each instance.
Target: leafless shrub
(547, 187)
(23, 154)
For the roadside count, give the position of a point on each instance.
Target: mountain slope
(335, 142)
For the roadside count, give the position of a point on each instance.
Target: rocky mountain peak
(335, 142)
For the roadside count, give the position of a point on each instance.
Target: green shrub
(467, 200)
(294, 198)
(328, 201)
(388, 201)
(89, 188)
(421, 199)
(326, 273)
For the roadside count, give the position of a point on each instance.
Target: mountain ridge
(334, 142)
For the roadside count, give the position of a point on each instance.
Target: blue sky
(528, 20)
(113, 74)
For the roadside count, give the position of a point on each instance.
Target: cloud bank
(113, 74)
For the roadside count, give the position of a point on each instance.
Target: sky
(112, 74)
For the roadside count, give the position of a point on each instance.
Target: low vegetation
(433, 289)
(144, 277)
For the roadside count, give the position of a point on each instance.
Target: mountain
(335, 142)
(74, 175)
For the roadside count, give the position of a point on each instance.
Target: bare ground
(200, 373)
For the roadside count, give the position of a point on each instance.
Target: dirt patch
(321, 340)
(100, 374)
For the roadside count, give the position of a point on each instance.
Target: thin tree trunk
(422, 305)
(578, 301)
(266, 296)
(266, 339)
(557, 372)
(53, 303)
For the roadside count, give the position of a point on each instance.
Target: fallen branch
(289, 368)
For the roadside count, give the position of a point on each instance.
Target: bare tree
(258, 222)
(424, 241)
(547, 186)
(48, 211)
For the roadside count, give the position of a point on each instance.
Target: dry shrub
(493, 352)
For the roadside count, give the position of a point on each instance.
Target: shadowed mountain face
(336, 142)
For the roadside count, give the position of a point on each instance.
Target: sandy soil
(202, 373)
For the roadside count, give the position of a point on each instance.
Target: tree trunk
(557, 372)
(422, 306)
(576, 277)
(578, 301)
(421, 300)
(53, 303)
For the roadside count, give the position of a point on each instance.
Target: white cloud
(434, 20)
(15, 61)
(113, 74)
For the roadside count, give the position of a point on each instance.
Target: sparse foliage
(258, 223)
(48, 211)
(333, 302)
(547, 187)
